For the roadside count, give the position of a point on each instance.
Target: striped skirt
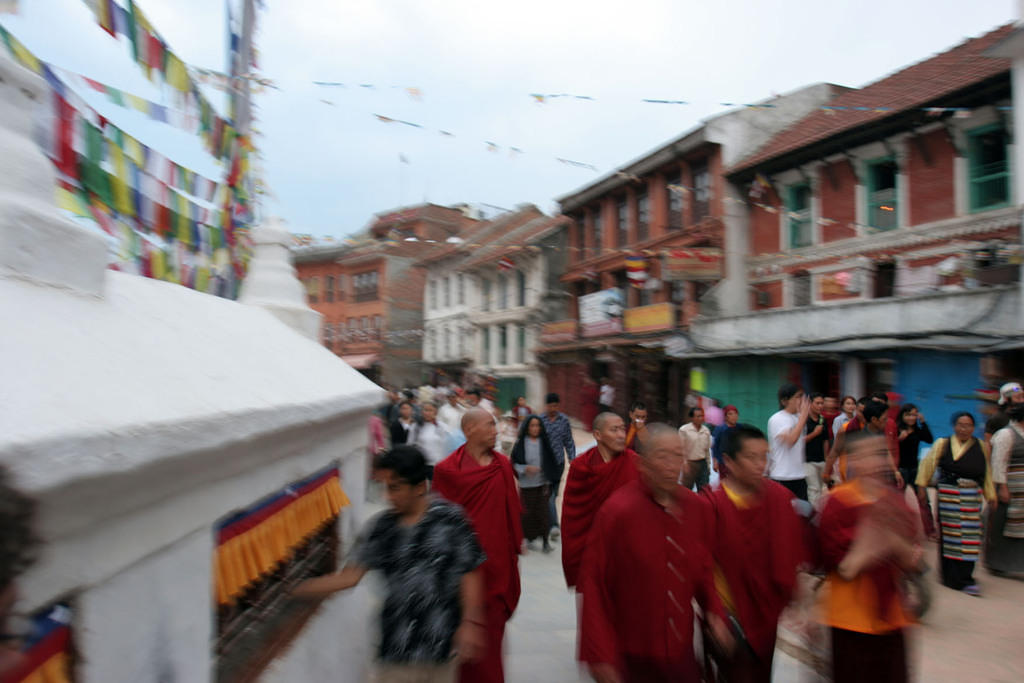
(960, 520)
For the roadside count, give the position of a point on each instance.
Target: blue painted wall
(940, 384)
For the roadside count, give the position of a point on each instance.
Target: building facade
(486, 300)
(883, 241)
(649, 250)
(370, 290)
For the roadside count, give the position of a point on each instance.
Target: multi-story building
(486, 299)
(370, 290)
(648, 248)
(883, 236)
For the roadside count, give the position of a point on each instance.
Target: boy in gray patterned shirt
(430, 558)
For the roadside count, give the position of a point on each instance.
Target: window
(431, 344)
(885, 279)
(341, 333)
(598, 229)
(448, 291)
(521, 344)
(798, 212)
(502, 292)
(313, 289)
(378, 322)
(432, 294)
(520, 288)
(701, 191)
(487, 345)
(622, 221)
(882, 194)
(502, 345)
(341, 288)
(329, 289)
(643, 215)
(988, 168)
(675, 202)
(460, 290)
(365, 286)
(801, 289)
(485, 295)
(447, 347)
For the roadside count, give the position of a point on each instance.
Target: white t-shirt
(451, 416)
(785, 463)
(431, 438)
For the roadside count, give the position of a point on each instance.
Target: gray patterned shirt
(560, 435)
(423, 566)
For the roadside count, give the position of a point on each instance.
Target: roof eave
(614, 180)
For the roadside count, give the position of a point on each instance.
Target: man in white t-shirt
(786, 458)
(432, 438)
(606, 396)
(450, 414)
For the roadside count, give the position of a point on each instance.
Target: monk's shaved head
(657, 433)
(601, 421)
(474, 416)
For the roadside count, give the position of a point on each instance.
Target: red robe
(590, 482)
(757, 549)
(491, 501)
(641, 569)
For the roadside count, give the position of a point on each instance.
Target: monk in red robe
(646, 559)
(593, 477)
(482, 481)
(758, 544)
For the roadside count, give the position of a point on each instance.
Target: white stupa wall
(139, 413)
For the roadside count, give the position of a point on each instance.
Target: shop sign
(653, 318)
(698, 263)
(558, 331)
(601, 312)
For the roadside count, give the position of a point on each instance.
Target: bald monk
(758, 545)
(593, 477)
(482, 481)
(646, 559)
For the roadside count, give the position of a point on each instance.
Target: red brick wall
(931, 186)
(839, 201)
(774, 290)
(764, 226)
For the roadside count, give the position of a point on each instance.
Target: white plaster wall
(928, 313)
(335, 646)
(153, 620)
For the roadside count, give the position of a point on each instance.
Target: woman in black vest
(964, 481)
(539, 473)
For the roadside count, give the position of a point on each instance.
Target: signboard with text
(653, 318)
(558, 331)
(601, 312)
(697, 263)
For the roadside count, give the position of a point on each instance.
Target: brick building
(648, 253)
(883, 236)
(370, 291)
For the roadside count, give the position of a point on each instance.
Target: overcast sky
(331, 167)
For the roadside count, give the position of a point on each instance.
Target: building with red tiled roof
(370, 289)
(882, 238)
(646, 257)
(486, 299)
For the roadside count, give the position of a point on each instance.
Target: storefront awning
(361, 361)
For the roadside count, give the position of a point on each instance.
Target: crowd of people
(654, 551)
